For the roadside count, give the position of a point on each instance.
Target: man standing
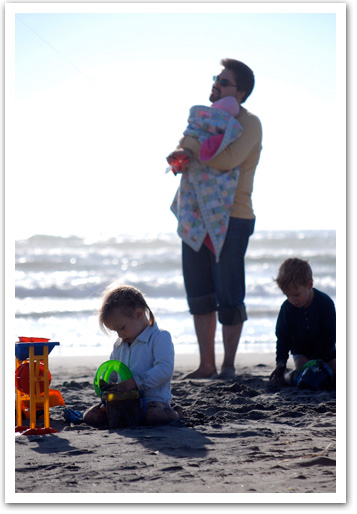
(219, 285)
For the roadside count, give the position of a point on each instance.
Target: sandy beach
(238, 439)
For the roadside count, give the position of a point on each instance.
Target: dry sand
(239, 438)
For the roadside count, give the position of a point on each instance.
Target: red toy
(22, 377)
(177, 162)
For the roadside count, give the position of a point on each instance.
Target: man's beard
(215, 95)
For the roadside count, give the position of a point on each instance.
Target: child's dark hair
(124, 297)
(293, 272)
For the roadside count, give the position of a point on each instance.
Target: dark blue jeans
(219, 286)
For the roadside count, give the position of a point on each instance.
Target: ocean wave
(59, 314)
(83, 291)
(59, 282)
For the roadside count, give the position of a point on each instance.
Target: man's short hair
(293, 272)
(243, 75)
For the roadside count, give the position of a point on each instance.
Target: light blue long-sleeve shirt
(150, 358)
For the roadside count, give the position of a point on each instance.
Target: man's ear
(239, 96)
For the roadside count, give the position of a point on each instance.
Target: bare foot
(179, 411)
(288, 377)
(227, 373)
(201, 373)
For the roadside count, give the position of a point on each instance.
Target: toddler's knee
(95, 417)
(160, 414)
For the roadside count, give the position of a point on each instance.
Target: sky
(99, 95)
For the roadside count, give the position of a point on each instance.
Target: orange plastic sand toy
(32, 380)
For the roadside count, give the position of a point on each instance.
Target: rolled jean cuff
(202, 304)
(232, 316)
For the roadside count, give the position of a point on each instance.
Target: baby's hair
(124, 297)
(293, 272)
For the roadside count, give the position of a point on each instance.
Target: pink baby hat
(228, 104)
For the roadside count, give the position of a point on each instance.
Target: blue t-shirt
(310, 332)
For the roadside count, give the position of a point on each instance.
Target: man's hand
(179, 160)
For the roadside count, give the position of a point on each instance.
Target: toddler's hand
(126, 385)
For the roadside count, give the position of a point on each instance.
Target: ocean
(59, 281)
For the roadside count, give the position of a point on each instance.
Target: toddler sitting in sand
(306, 325)
(146, 350)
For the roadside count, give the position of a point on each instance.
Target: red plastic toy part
(178, 163)
(22, 378)
(33, 340)
(35, 431)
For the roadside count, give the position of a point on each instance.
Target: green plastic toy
(106, 369)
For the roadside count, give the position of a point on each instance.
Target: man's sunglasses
(222, 82)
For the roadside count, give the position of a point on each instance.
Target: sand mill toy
(32, 380)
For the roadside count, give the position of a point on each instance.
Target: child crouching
(306, 325)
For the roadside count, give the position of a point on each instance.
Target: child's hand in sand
(278, 373)
(126, 385)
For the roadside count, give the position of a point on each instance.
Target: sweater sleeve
(163, 366)
(326, 343)
(283, 334)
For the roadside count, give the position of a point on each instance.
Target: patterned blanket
(204, 199)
